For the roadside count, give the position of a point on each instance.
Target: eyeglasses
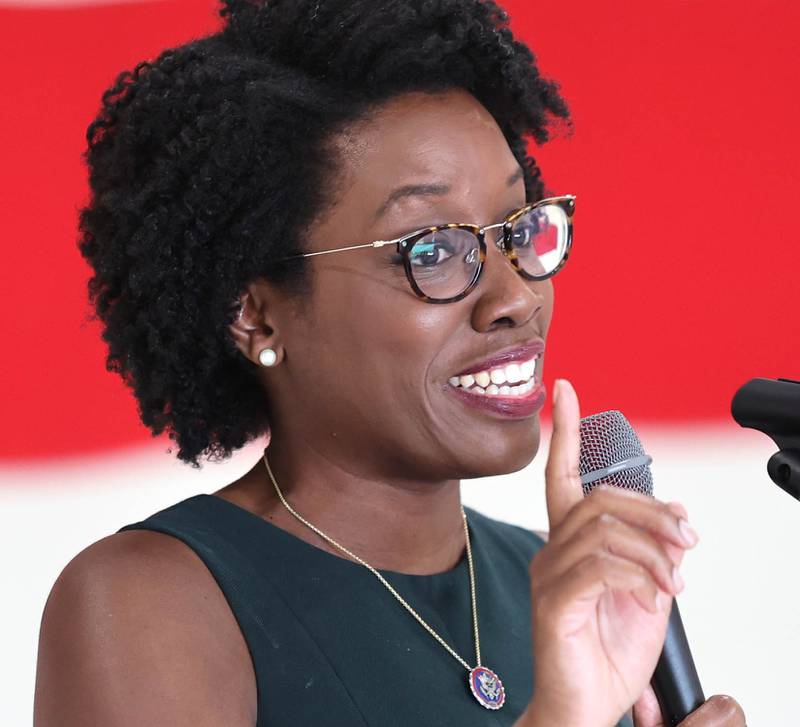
(443, 263)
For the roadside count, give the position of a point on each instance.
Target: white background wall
(740, 608)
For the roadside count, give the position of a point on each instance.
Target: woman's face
(365, 365)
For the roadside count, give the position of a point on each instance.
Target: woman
(339, 581)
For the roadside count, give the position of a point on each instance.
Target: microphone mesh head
(607, 439)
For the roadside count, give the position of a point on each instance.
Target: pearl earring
(267, 357)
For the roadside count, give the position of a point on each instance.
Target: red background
(683, 281)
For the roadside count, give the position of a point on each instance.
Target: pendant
(486, 687)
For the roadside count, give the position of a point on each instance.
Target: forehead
(449, 137)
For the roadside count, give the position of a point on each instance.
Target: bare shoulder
(137, 631)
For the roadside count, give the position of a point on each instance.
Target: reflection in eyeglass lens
(539, 239)
(445, 262)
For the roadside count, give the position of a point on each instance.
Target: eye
(432, 251)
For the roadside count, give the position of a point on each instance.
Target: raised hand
(601, 588)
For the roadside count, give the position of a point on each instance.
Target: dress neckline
(319, 553)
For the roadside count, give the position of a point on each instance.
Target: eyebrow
(410, 190)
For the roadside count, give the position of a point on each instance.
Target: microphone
(611, 454)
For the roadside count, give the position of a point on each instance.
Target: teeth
(483, 379)
(505, 390)
(514, 373)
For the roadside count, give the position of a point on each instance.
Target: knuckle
(668, 517)
(606, 519)
(678, 509)
(666, 513)
(604, 528)
(602, 523)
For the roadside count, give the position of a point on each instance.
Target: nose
(502, 294)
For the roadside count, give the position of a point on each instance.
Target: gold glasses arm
(376, 243)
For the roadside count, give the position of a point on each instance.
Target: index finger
(563, 489)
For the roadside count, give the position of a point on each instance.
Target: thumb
(563, 488)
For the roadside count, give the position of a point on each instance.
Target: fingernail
(677, 579)
(661, 599)
(688, 532)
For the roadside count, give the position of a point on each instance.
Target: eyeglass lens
(444, 262)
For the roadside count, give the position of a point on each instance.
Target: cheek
(363, 329)
(548, 295)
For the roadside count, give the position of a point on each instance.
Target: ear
(254, 328)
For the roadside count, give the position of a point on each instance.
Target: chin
(514, 455)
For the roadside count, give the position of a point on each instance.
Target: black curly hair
(203, 163)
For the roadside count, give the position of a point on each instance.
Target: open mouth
(512, 380)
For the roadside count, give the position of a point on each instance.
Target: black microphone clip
(773, 407)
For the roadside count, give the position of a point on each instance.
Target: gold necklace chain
(392, 590)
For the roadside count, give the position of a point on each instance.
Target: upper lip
(525, 352)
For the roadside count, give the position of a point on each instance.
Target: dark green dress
(330, 644)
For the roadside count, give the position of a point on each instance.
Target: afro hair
(202, 162)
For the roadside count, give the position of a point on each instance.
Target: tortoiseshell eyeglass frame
(406, 242)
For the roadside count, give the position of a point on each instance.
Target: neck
(402, 525)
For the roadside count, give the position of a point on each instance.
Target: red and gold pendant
(486, 687)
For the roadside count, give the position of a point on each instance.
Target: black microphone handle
(675, 681)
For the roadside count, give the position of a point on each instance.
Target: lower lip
(507, 406)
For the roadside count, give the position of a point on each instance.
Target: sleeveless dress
(331, 646)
